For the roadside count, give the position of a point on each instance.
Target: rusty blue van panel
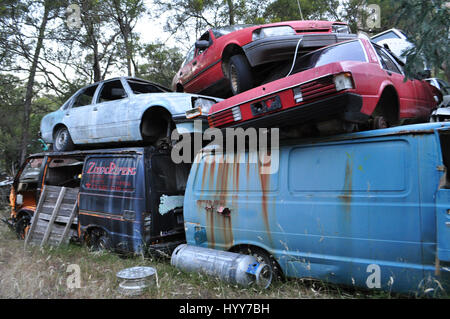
(357, 209)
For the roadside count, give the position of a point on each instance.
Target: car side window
(140, 87)
(189, 56)
(85, 96)
(204, 37)
(111, 91)
(386, 61)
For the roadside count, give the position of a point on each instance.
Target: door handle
(95, 108)
(181, 73)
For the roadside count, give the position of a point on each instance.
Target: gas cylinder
(231, 267)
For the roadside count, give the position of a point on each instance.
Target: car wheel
(379, 122)
(63, 141)
(263, 257)
(239, 74)
(98, 240)
(22, 226)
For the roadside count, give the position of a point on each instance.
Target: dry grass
(42, 273)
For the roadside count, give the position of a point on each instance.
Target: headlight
(272, 32)
(200, 106)
(339, 28)
(343, 81)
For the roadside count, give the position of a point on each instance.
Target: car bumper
(346, 106)
(281, 48)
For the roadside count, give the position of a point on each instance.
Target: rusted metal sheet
(358, 209)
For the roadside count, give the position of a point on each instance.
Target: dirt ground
(34, 272)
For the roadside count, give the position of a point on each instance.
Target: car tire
(63, 140)
(239, 74)
(21, 226)
(98, 240)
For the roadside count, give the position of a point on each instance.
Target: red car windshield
(225, 30)
(346, 51)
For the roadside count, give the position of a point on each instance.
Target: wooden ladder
(55, 213)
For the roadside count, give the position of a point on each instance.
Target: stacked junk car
(355, 191)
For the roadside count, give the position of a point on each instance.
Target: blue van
(368, 209)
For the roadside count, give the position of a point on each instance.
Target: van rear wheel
(263, 257)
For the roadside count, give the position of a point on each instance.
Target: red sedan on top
(353, 81)
(229, 60)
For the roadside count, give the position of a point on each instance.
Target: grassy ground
(42, 273)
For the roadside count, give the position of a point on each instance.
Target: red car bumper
(344, 105)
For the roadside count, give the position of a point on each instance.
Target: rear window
(348, 51)
(110, 174)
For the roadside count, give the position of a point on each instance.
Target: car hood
(175, 103)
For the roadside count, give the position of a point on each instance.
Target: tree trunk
(231, 11)
(30, 84)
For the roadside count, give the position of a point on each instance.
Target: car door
(202, 63)
(405, 90)
(110, 113)
(185, 73)
(78, 116)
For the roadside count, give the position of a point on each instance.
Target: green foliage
(161, 63)
(429, 30)
(285, 10)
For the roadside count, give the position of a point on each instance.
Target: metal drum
(227, 266)
(133, 281)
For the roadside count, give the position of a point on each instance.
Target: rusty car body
(129, 199)
(366, 209)
(356, 81)
(121, 110)
(229, 60)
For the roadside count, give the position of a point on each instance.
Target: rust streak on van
(346, 197)
(265, 182)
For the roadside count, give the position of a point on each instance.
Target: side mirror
(202, 44)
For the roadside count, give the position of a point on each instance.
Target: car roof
(129, 78)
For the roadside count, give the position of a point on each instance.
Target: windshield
(348, 51)
(225, 30)
(140, 87)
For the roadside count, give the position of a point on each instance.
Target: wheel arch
(158, 111)
(238, 246)
(388, 91)
(56, 128)
(230, 50)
